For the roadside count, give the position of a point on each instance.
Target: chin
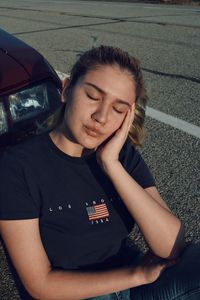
(90, 143)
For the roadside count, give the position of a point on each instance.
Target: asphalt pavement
(166, 39)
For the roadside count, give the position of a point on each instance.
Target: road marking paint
(173, 121)
(162, 117)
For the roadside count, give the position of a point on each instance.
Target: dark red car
(29, 89)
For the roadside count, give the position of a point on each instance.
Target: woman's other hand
(108, 151)
(150, 267)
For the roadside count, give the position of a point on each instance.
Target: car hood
(12, 74)
(20, 64)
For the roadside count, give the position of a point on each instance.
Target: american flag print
(98, 211)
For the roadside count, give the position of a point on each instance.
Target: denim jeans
(179, 282)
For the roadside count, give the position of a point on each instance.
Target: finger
(170, 263)
(125, 124)
(131, 116)
(132, 112)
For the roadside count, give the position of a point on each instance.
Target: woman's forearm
(75, 285)
(161, 229)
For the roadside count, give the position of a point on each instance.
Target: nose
(101, 114)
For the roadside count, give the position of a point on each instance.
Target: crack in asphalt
(30, 19)
(117, 19)
(61, 13)
(95, 24)
(165, 23)
(64, 27)
(176, 76)
(68, 14)
(164, 41)
(114, 21)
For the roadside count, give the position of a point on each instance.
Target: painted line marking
(173, 121)
(162, 117)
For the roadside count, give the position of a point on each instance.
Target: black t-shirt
(83, 221)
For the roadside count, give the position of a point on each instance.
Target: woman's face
(97, 105)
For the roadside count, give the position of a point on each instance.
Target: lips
(92, 131)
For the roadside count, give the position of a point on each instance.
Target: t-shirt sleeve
(17, 199)
(135, 165)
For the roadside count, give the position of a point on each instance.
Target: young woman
(70, 196)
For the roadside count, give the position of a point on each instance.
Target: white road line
(162, 117)
(173, 121)
(62, 75)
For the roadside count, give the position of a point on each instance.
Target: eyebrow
(103, 92)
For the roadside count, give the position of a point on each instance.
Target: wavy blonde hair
(103, 56)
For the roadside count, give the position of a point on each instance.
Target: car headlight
(3, 121)
(29, 102)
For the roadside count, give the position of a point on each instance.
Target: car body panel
(22, 69)
(29, 62)
(12, 74)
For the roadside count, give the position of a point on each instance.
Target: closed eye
(92, 97)
(118, 111)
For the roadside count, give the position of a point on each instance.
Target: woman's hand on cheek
(108, 151)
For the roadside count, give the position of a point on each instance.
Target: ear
(65, 85)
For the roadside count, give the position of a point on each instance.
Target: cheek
(72, 114)
(116, 124)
